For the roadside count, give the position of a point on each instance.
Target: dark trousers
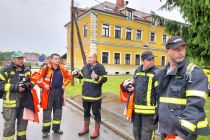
(143, 128)
(10, 115)
(96, 110)
(55, 103)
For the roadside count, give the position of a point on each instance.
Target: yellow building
(119, 35)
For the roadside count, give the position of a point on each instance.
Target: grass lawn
(112, 86)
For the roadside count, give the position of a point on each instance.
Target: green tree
(197, 32)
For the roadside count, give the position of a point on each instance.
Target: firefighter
(94, 75)
(145, 93)
(52, 79)
(182, 95)
(16, 85)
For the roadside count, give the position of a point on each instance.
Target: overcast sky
(38, 25)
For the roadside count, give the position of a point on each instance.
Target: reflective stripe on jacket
(145, 88)
(182, 95)
(91, 89)
(9, 83)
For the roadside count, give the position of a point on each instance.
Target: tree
(197, 32)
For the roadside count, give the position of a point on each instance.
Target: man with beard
(182, 95)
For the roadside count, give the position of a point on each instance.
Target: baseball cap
(147, 55)
(174, 42)
(17, 55)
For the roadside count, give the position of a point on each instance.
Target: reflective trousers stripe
(188, 125)
(171, 100)
(92, 98)
(21, 133)
(9, 103)
(56, 122)
(196, 93)
(9, 138)
(46, 124)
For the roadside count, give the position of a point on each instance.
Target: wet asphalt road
(71, 124)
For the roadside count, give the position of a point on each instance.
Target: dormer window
(130, 14)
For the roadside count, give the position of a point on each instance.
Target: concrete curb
(114, 128)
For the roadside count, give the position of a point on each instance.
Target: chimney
(120, 3)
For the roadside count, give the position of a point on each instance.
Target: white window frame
(108, 57)
(162, 39)
(151, 35)
(139, 58)
(129, 16)
(120, 57)
(85, 25)
(126, 33)
(136, 34)
(161, 60)
(109, 30)
(130, 58)
(120, 31)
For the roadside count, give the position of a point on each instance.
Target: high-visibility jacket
(44, 77)
(9, 83)
(145, 89)
(182, 96)
(91, 89)
(128, 98)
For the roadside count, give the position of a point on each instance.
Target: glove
(26, 85)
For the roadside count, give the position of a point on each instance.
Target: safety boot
(85, 129)
(58, 131)
(96, 133)
(45, 135)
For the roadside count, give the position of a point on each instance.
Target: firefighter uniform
(52, 99)
(145, 93)
(92, 92)
(182, 96)
(13, 105)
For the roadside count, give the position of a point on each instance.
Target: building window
(105, 30)
(105, 57)
(85, 31)
(138, 34)
(117, 32)
(116, 58)
(138, 59)
(152, 37)
(130, 15)
(163, 61)
(128, 33)
(127, 59)
(164, 39)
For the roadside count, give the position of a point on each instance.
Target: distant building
(31, 58)
(119, 34)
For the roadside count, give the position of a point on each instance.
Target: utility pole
(80, 42)
(72, 39)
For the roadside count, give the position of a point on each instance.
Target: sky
(38, 25)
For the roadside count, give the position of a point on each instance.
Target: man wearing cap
(15, 84)
(145, 93)
(182, 95)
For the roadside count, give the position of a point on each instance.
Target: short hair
(54, 54)
(94, 54)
